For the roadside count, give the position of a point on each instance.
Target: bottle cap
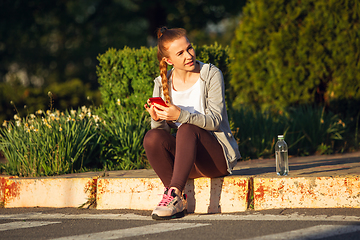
(280, 136)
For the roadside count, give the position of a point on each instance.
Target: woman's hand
(151, 110)
(158, 112)
(169, 113)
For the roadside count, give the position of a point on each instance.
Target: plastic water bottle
(281, 154)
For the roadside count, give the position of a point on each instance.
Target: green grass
(307, 130)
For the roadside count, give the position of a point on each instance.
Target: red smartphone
(157, 100)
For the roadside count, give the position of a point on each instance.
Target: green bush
(296, 52)
(122, 137)
(314, 130)
(51, 143)
(126, 76)
(307, 129)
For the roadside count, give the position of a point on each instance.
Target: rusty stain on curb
(309, 192)
(2, 192)
(8, 190)
(45, 192)
(91, 189)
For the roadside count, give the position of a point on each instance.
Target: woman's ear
(167, 61)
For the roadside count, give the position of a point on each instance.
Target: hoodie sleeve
(215, 104)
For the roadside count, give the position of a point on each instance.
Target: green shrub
(51, 143)
(312, 129)
(126, 76)
(122, 137)
(296, 52)
(256, 132)
(307, 130)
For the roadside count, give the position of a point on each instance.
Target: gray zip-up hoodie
(215, 118)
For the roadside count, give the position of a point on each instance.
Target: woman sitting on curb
(204, 146)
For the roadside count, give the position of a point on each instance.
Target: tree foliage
(59, 40)
(293, 52)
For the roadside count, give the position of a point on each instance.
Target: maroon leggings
(193, 153)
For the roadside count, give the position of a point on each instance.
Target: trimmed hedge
(126, 76)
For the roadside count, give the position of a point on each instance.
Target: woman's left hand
(170, 113)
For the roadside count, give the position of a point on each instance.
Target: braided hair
(166, 36)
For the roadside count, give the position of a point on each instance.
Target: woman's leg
(160, 150)
(198, 154)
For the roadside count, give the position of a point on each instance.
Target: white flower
(118, 102)
(18, 123)
(16, 117)
(73, 112)
(32, 116)
(39, 112)
(84, 109)
(4, 123)
(96, 118)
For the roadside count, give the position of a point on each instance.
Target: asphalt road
(70, 223)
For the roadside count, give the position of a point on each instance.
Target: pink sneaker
(171, 206)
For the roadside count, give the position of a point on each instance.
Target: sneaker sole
(177, 215)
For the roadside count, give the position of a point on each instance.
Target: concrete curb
(205, 195)
(44, 192)
(306, 192)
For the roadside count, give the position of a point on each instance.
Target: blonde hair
(166, 36)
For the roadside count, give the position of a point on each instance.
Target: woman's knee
(188, 128)
(153, 137)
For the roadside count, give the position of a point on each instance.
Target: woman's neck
(185, 76)
(183, 80)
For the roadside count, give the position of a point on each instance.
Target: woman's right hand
(151, 110)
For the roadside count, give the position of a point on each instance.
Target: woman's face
(181, 55)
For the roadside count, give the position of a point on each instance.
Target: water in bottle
(281, 155)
